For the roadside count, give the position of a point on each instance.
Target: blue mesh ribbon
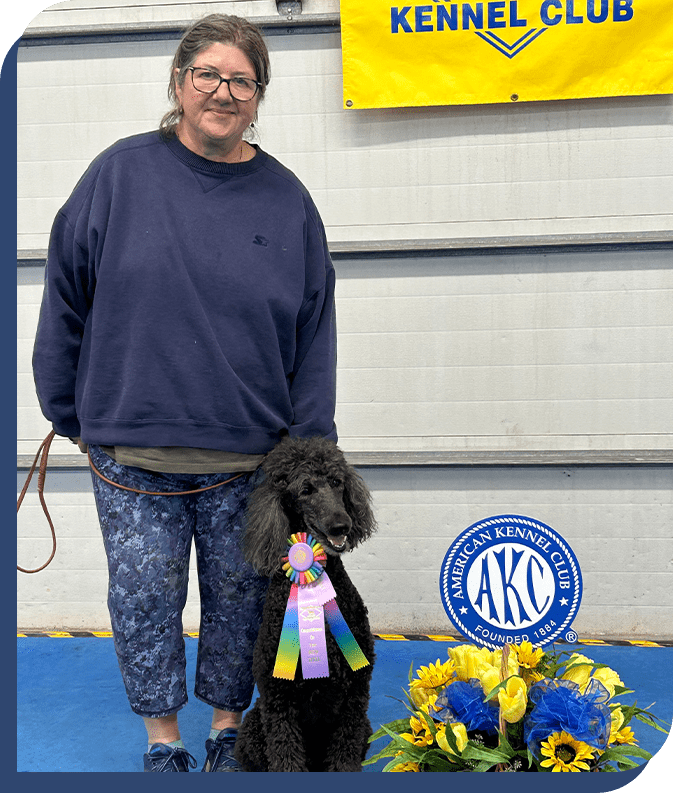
(464, 702)
(559, 706)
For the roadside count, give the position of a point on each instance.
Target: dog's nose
(339, 529)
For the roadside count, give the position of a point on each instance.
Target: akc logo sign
(509, 579)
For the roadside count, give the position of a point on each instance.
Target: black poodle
(317, 724)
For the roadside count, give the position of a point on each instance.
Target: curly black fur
(318, 724)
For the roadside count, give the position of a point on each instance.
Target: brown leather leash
(44, 451)
(158, 492)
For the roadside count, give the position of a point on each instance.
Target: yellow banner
(450, 53)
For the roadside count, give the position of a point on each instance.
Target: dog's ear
(357, 501)
(267, 529)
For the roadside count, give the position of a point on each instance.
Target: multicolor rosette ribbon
(312, 599)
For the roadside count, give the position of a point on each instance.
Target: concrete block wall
(616, 519)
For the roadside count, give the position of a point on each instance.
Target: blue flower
(558, 706)
(464, 702)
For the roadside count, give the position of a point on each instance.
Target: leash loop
(42, 473)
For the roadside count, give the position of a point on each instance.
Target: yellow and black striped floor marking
(415, 637)
(387, 637)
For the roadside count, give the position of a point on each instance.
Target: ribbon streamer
(312, 599)
(288, 647)
(344, 638)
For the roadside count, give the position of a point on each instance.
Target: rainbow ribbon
(312, 599)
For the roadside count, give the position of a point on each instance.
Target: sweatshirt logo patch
(259, 240)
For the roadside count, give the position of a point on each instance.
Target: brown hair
(202, 34)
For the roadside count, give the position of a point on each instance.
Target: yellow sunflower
(618, 732)
(417, 739)
(625, 735)
(434, 675)
(422, 696)
(564, 753)
(410, 766)
(429, 679)
(528, 659)
(420, 734)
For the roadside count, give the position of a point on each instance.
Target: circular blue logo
(510, 579)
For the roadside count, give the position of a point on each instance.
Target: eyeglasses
(207, 82)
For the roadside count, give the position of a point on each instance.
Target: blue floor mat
(77, 682)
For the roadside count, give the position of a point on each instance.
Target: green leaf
(487, 757)
(397, 726)
(633, 711)
(625, 766)
(397, 744)
(484, 765)
(504, 746)
(389, 751)
(431, 725)
(397, 761)
(474, 752)
(390, 765)
(622, 752)
(623, 763)
(401, 747)
(393, 735)
(436, 760)
(451, 738)
(651, 719)
(609, 768)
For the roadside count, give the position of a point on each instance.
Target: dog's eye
(335, 482)
(306, 489)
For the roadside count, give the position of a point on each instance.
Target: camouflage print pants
(148, 541)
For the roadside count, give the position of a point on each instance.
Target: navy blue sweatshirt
(187, 303)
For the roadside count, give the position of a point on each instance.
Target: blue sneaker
(168, 758)
(221, 752)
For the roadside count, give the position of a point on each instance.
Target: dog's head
(308, 486)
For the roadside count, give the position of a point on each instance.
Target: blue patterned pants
(148, 541)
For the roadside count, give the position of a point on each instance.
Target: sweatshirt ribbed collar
(198, 163)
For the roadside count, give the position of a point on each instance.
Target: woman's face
(212, 125)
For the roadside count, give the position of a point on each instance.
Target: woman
(187, 324)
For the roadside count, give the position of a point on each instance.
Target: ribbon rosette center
(300, 556)
(302, 565)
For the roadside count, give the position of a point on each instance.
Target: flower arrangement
(514, 709)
